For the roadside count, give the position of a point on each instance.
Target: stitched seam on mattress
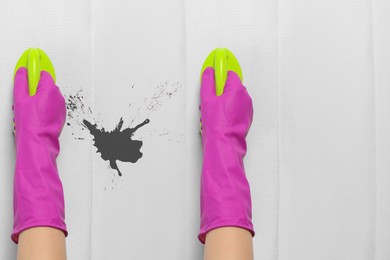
(375, 127)
(93, 107)
(278, 233)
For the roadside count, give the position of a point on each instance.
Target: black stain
(116, 144)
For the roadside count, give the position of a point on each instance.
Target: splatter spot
(116, 145)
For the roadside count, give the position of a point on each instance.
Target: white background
(318, 157)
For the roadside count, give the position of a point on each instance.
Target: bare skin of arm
(42, 243)
(228, 243)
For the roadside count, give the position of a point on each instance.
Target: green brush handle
(35, 60)
(222, 60)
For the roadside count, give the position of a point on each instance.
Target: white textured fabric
(318, 150)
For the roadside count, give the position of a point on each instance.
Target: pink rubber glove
(226, 119)
(39, 119)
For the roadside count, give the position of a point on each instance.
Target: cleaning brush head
(35, 60)
(222, 61)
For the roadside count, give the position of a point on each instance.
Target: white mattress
(318, 150)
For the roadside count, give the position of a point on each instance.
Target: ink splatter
(116, 144)
(162, 92)
(77, 111)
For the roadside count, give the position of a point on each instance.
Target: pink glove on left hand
(39, 119)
